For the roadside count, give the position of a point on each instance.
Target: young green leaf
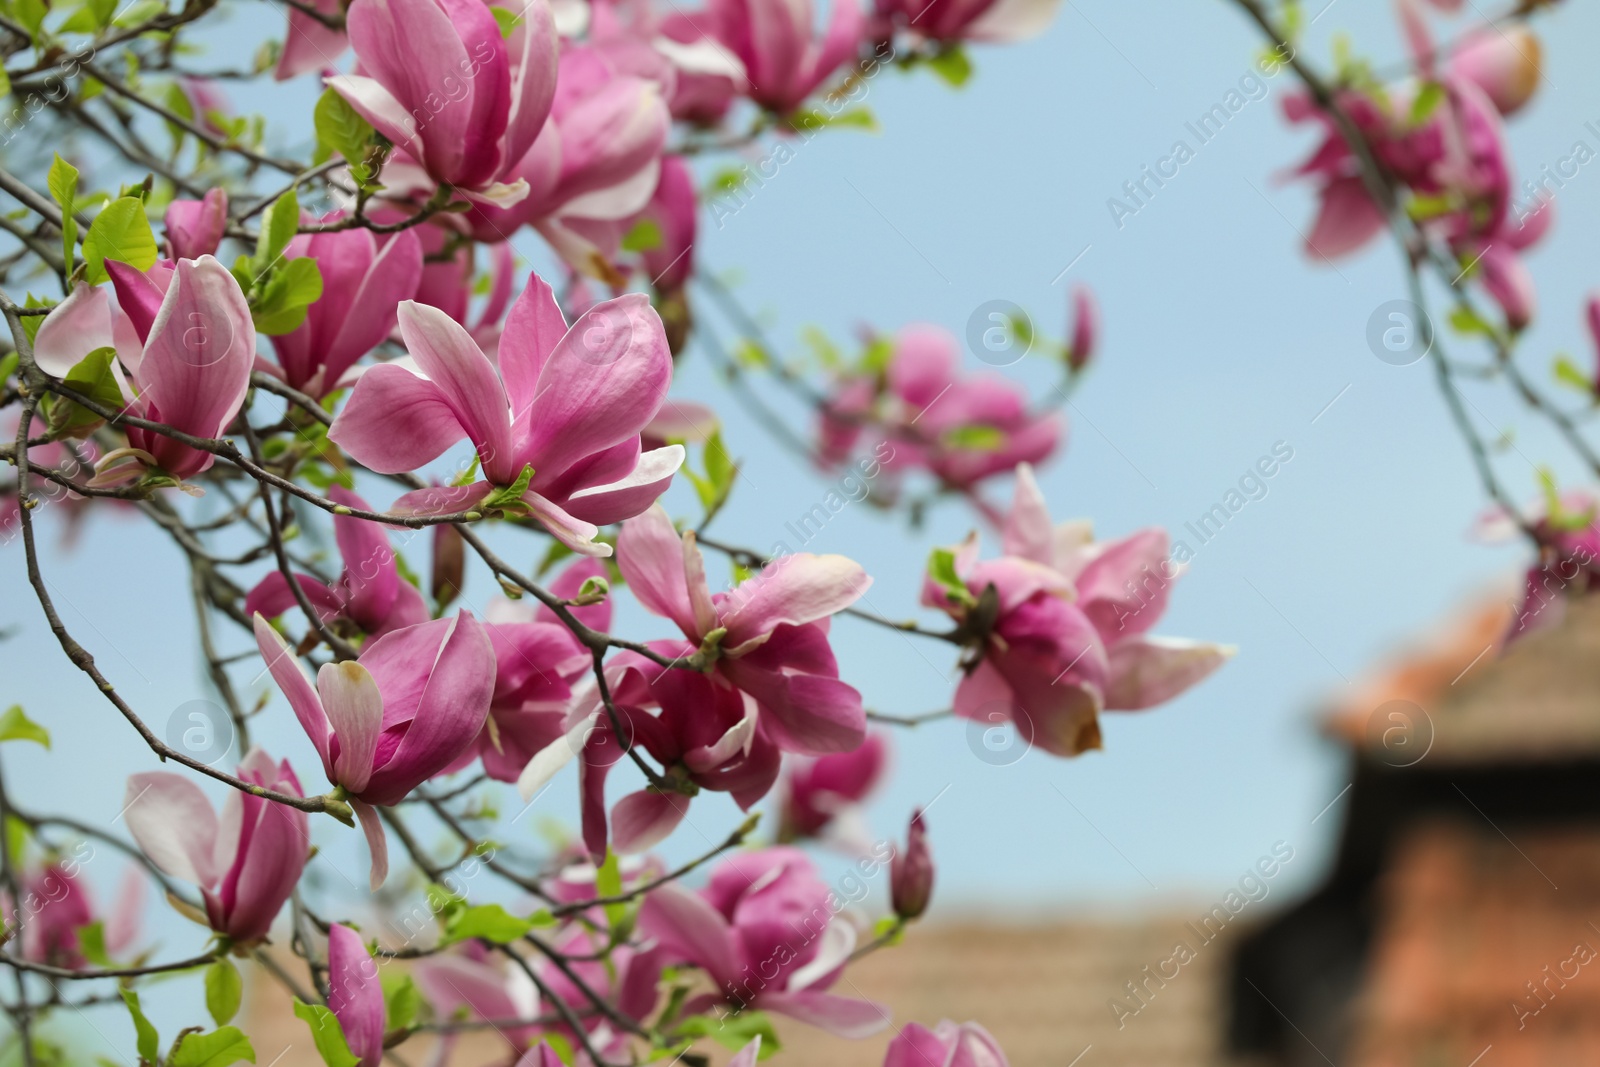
(643, 237)
(224, 988)
(147, 1040)
(289, 290)
(942, 571)
(16, 726)
(279, 223)
(952, 66)
(219, 1048)
(120, 232)
(489, 922)
(63, 183)
(401, 1000)
(340, 128)
(92, 378)
(327, 1034)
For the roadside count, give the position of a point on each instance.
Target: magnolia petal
(1146, 671)
(377, 843)
(627, 497)
(1028, 532)
(355, 711)
(291, 678)
(550, 759)
(467, 382)
(841, 1016)
(686, 926)
(355, 994)
(651, 557)
(174, 824)
(565, 527)
(77, 326)
(795, 589)
(395, 421)
(642, 820)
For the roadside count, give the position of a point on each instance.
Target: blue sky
(1220, 343)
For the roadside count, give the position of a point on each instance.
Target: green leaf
(327, 1034)
(63, 183)
(490, 922)
(141, 11)
(219, 1048)
(339, 128)
(279, 224)
(508, 498)
(952, 66)
(401, 1000)
(224, 988)
(507, 20)
(291, 288)
(1426, 103)
(643, 237)
(608, 883)
(735, 1031)
(942, 571)
(1467, 321)
(31, 14)
(976, 438)
(1567, 373)
(148, 1041)
(16, 726)
(93, 378)
(120, 232)
(92, 943)
(5, 82)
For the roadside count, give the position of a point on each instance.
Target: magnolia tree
(192, 344)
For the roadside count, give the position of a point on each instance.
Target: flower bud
(195, 227)
(1085, 327)
(911, 872)
(449, 564)
(1504, 63)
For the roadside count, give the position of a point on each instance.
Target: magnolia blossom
(185, 342)
(460, 102)
(538, 661)
(962, 429)
(196, 227)
(464, 982)
(310, 44)
(56, 904)
(776, 41)
(364, 275)
(765, 932)
(560, 420)
(628, 977)
(697, 74)
(946, 1045)
(246, 862)
(768, 635)
(595, 163)
(1066, 627)
(370, 594)
(1085, 327)
(990, 21)
(1567, 526)
(355, 995)
(385, 724)
(824, 792)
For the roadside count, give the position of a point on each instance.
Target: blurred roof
(1529, 701)
(1469, 919)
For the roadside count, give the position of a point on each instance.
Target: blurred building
(1461, 921)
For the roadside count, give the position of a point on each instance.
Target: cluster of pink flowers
(1439, 134)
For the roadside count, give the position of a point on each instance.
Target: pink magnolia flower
(991, 21)
(567, 403)
(364, 275)
(704, 734)
(448, 285)
(464, 981)
(370, 594)
(911, 872)
(698, 75)
(1568, 528)
(594, 164)
(460, 103)
(961, 429)
(355, 995)
(1502, 61)
(402, 713)
(946, 1045)
(673, 209)
(776, 40)
(829, 788)
(769, 634)
(537, 663)
(246, 863)
(186, 343)
(1070, 632)
(765, 931)
(195, 227)
(309, 44)
(1591, 315)
(628, 977)
(56, 905)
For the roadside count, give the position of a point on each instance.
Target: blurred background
(1352, 583)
